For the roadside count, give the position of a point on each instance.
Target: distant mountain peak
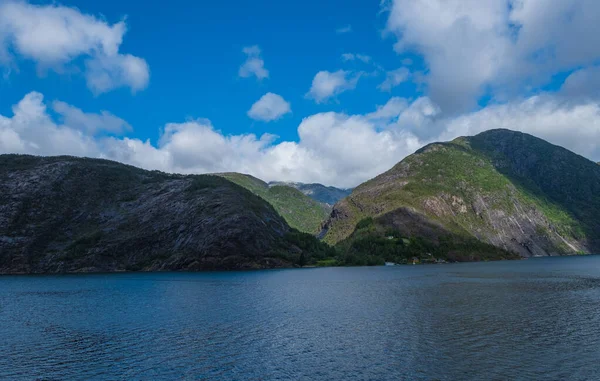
(327, 195)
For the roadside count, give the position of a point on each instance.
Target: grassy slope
(443, 181)
(300, 211)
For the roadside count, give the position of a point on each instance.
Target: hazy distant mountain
(321, 193)
(507, 189)
(65, 214)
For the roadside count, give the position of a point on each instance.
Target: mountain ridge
(487, 187)
(67, 214)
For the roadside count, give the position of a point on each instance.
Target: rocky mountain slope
(64, 214)
(300, 211)
(515, 192)
(318, 192)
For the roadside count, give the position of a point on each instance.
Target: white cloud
(472, 46)
(394, 107)
(326, 84)
(393, 78)
(254, 64)
(464, 42)
(419, 118)
(333, 148)
(345, 150)
(575, 126)
(344, 29)
(54, 36)
(351, 57)
(90, 123)
(32, 130)
(269, 107)
(583, 83)
(123, 70)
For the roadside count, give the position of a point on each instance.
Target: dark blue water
(526, 320)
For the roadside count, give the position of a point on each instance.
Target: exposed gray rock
(63, 214)
(505, 188)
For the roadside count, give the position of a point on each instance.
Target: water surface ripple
(526, 320)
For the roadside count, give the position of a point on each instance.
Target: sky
(334, 92)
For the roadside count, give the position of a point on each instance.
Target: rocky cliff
(506, 189)
(64, 214)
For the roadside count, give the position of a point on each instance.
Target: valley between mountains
(497, 195)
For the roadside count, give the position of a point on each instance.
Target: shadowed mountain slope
(65, 214)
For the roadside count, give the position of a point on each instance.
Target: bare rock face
(507, 189)
(64, 214)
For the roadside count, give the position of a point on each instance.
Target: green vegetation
(374, 243)
(504, 188)
(319, 252)
(497, 195)
(331, 262)
(299, 211)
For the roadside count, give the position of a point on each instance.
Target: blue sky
(194, 50)
(163, 86)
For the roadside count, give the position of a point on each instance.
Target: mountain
(489, 196)
(300, 211)
(321, 193)
(65, 214)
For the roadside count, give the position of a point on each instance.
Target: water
(535, 319)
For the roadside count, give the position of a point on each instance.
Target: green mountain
(495, 195)
(300, 211)
(318, 192)
(65, 214)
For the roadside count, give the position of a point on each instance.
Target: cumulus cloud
(32, 130)
(463, 42)
(393, 78)
(89, 123)
(419, 118)
(394, 107)
(575, 126)
(123, 70)
(326, 84)
(254, 64)
(269, 107)
(470, 46)
(333, 148)
(54, 36)
(583, 83)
